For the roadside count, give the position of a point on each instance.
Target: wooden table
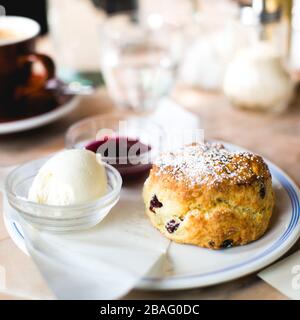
(276, 137)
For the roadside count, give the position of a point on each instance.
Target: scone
(209, 196)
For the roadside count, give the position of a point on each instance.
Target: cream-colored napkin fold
(285, 276)
(105, 262)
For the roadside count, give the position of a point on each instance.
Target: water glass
(139, 59)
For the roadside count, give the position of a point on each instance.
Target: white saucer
(196, 267)
(40, 120)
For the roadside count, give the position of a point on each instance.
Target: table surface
(275, 137)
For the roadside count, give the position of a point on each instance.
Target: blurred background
(215, 29)
(212, 35)
(246, 50)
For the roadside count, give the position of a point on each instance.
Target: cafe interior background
(249, 100)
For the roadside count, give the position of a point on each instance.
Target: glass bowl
(58, 218)
(141, 135)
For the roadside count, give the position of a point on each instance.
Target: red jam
(123, 153)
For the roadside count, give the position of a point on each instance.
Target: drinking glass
(139, 58)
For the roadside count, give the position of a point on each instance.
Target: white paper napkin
(181, 127)
(285, 276)
(101, 263)
(105, 262)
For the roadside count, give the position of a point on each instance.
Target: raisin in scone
(209, 196)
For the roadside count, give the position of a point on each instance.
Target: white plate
(196, 267)
(41, 120)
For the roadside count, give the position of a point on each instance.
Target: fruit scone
(209, 196)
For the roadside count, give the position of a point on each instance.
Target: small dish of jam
(127, 143)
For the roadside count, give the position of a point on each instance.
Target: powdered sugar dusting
(208, 163)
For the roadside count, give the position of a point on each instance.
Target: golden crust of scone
(209, 196)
